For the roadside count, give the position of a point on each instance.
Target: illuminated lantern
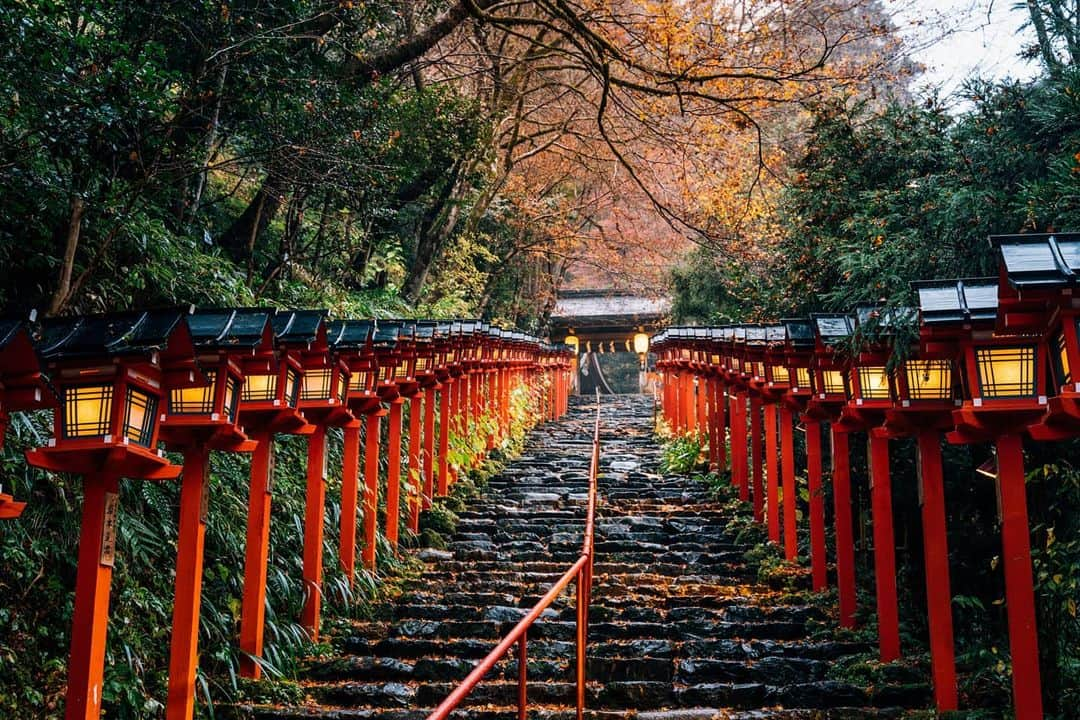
(754, 362)
(772, 388)
(351, 343)
(22, 387)
(323, 400)
(829, 395)
(421, 397)
(195, 420)
(109, 373)
(950, 311)
(641, 345)
(395, 355)
(269, 404)
(1036, 291)
(799, 348)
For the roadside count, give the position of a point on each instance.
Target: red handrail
(581, 572)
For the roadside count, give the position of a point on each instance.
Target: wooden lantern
(351, 342)
(109, 373)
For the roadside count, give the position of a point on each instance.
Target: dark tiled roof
(1040, 260)
(223, 328)
(832, 327)
(800, 332)
(957, 301)
(115, 334)
(349, 334)
(298, 326)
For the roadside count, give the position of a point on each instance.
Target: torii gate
(604, 320)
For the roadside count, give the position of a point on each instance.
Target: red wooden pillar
(739, 462)
(713, 434)
(504, 402)
(1019, 591)
(253, 602)
(444, 436)
(393, 472)
(187, 598)
(314, 508)
(772, 491)
(818, 562)
(350, 489)
(756, 461)
(884, 549)
(490, 407)
(371, 487)
(936, 557)
(702, 417)
(416, 473)
(454, 424)
(721, 428)
(429, 445)
(86, 665)
(845, 540)
(688, 414)
(787, 472)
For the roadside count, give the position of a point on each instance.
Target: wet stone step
(680, 628)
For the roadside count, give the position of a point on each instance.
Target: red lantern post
(109, 372)
(948, 310)
(799, 347)
(828, 396)
(870, 399)
(197, 419)
(268, 404)
(351, 342)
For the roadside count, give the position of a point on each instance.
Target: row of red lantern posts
(231, 380)
(991, 364)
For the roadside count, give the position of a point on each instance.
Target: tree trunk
(67, 266)
(432, 234)
(1046, 47)
(240, 240)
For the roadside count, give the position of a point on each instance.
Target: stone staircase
(679, 627)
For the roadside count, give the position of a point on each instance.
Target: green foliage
(682, 455)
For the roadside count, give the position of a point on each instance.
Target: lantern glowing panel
(318, 384)
(802, 377)
(780, 374)
(259, 388)
(874, 382)
(194, 400)
(641, 343)
(139, 418)
(929, 379)
(832, 382)
(87, 410)
(1062, 366)
(1007, 372)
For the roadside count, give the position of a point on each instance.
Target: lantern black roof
(298, 327)
(775, 333)
(349, 334)
(957, 301)
(223, 328)
(756, 335)
(386, 333)
(800, 332)
(832, 327)
(425, 330)
(1039, 259)
(885, 317)
(114, 334)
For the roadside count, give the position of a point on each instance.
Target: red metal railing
(581, 574)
